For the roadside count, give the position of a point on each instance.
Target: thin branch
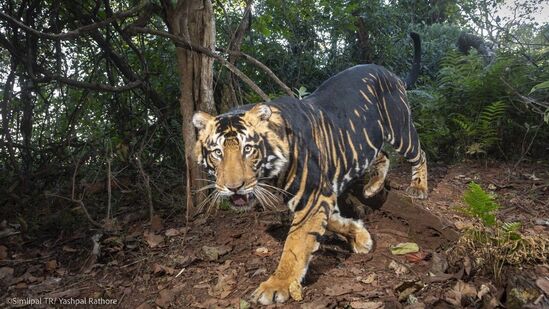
(146, 183)
(263, 67)
(181, 42)
(76, 32)
(48, 76)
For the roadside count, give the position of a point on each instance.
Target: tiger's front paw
(277, 291)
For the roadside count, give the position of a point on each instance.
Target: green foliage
(540, 86)
(480, 204)
(481, 133)
(301, 92)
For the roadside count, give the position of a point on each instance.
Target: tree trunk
(194, 21)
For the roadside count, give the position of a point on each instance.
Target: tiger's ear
(201, 119)
(260, 112)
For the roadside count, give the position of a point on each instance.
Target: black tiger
(311, 149)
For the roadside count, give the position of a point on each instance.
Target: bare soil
(217, 262)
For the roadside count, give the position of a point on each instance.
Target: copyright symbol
(9, 301)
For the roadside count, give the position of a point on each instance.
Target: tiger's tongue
(239, 200)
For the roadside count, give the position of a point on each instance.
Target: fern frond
(480, 204)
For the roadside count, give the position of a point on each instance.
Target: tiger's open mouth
(241, 200)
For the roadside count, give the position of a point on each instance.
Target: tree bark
(194, 21)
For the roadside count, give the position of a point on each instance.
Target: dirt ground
(217, 262)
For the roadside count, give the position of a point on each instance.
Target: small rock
(213, 253)
(262, 251)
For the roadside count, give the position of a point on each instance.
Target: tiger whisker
(206, 187)
(275, 188)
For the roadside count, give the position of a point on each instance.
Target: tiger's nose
(235, 187)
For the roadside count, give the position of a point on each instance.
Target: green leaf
(404, 248)
(539, 86)
(480, 204)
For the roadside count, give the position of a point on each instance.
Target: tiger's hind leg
(353, 230)
(379, 169)
(418, 186)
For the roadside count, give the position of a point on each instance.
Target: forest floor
(220, 260)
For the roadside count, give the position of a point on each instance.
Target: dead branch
(76, 32)
(181, 42)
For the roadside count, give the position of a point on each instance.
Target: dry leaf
(161, 269)
(368, 280)
(543, 284)
(460, 291)
(404, 248)
(3, 252)
(225, 285)
(156, 223)
(51, 265)
(439, 264)
(171, 232)
(407, 288)
(153, 240)
(6, 273)
(69, 249)
(416, 257)
(167, 296)
(398, 268)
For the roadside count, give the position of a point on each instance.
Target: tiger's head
(242, 150)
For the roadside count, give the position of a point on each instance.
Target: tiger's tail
(416, 64)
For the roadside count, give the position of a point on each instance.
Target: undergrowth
(491, 243)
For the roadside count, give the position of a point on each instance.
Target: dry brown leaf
(460, 291)
(368, 280)
(415, 257)
(156, 223)
(171, 232)
(6, 273)
(439, 264)
(161, 270)
(69, 249)
(398, 268)
(166, 296)
(543, 284)
(153, 240)
(225, 285)
(51, 265)
(3, 252)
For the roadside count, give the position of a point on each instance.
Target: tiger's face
(241, 152)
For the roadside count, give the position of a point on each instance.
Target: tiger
(312, 149)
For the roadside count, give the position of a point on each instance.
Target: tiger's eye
(247, 149)
(217, 152)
